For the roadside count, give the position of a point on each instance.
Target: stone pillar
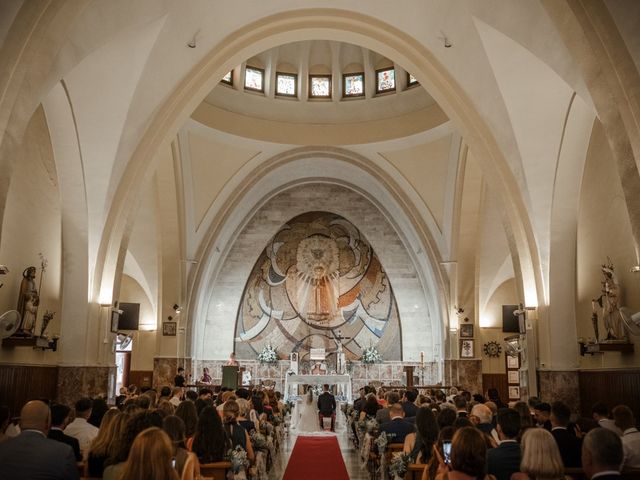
(560, 385)
(464, 373)
(76, 382)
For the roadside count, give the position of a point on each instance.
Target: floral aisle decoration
(268, 355)
(238, 459)
(371, 355)
(381, 443)
(398, 465)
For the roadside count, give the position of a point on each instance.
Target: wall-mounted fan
(512, 345)
(631, 320)
(9, 323)
(123, 340)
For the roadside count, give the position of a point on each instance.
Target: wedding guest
(421, 443)
(59, 420)
(600, 413)
(625, 421)
(189, 415)
(494, 396)
(122, 445)
(382, 415)
(602, 454)
(468, 456)
(541, 458)
(150, 457)
(209, 442)
(446, 417)
(80, 428)
(186, 464)
(111, 429)
(235, 432)
(371, 407)
(5, 419)
(243, 413)
(461, 406)
(526, 420)
(408, 403)
(570, 446)
(397, 428)
(504, 460)
(542, 413)
(481, 417)
(31, 454)
(98, 408)
(165, 408)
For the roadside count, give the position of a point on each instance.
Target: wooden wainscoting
(613, 387)
(21, 383)
(141, 378)
(497, 381)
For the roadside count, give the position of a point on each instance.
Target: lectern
(230, 376)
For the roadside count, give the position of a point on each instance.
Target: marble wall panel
(466, 374)
(76, 382)
(560, 385)
(165, 369)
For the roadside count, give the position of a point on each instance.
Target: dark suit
(327, 408)
(504, 460)
(55, 434)
(397, 429)
(410, 409)
(570, 447)
(32, 456)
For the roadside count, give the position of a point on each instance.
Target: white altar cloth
(343, 381)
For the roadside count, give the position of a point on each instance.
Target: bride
(305, 416)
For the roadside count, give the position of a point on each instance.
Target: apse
(318, 283)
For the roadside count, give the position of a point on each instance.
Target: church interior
(432, 193)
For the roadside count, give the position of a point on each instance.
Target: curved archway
(344, 26)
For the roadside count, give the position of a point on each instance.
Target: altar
(342, 382)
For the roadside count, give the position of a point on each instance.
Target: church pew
(217, 470)
(414, 471)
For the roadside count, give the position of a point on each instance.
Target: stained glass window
(320, 86)
(385, 80)
(228, 78)
(353, 84)
(411, 80)
(254, 79)
(286, 84)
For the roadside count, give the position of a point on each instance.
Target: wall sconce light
(177, 308)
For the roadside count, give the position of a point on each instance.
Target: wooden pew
(414, 471)
(217, 470)
(578, 474)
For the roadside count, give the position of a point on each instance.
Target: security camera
(4, 269)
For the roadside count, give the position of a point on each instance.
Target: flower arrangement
(238, 459)
(268, 355)
(371, 355)
(369, 425)
(398, 465)
(258, 441)
(381, 442)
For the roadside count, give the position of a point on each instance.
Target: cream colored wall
(143, 349)
(32, 225)
(603, 231)
(505, 294)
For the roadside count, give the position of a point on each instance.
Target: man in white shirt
(80, 428)
(625, 421)
(600, 413)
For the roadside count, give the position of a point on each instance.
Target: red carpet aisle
(314, 458)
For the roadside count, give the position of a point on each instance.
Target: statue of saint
(609, 301)
(28, 293)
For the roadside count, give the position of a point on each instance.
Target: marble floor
(349, 454)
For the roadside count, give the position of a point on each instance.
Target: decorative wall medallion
(492, 349)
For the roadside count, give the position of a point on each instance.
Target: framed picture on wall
(466, 330)
(513, 377)
(514, 393)
(513, 362)
(466, 348)
(169, 329)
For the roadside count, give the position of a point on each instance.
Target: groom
(327, 407)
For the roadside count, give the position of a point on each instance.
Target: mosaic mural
(318, 280)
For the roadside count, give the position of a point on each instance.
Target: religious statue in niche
(319, 279)
(608, 302)
(28, 301)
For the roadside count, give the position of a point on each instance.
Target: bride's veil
(310, 396)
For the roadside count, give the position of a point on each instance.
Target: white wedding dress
(305, 416)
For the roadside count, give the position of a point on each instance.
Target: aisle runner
(314, 458)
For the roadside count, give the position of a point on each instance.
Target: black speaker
(130, 317)
(510, 322)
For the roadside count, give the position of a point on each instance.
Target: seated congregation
(428, 435)
(177, 434)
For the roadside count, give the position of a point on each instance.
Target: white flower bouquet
(268, 355)
(371, 355)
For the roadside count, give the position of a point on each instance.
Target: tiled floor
(349, 454)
